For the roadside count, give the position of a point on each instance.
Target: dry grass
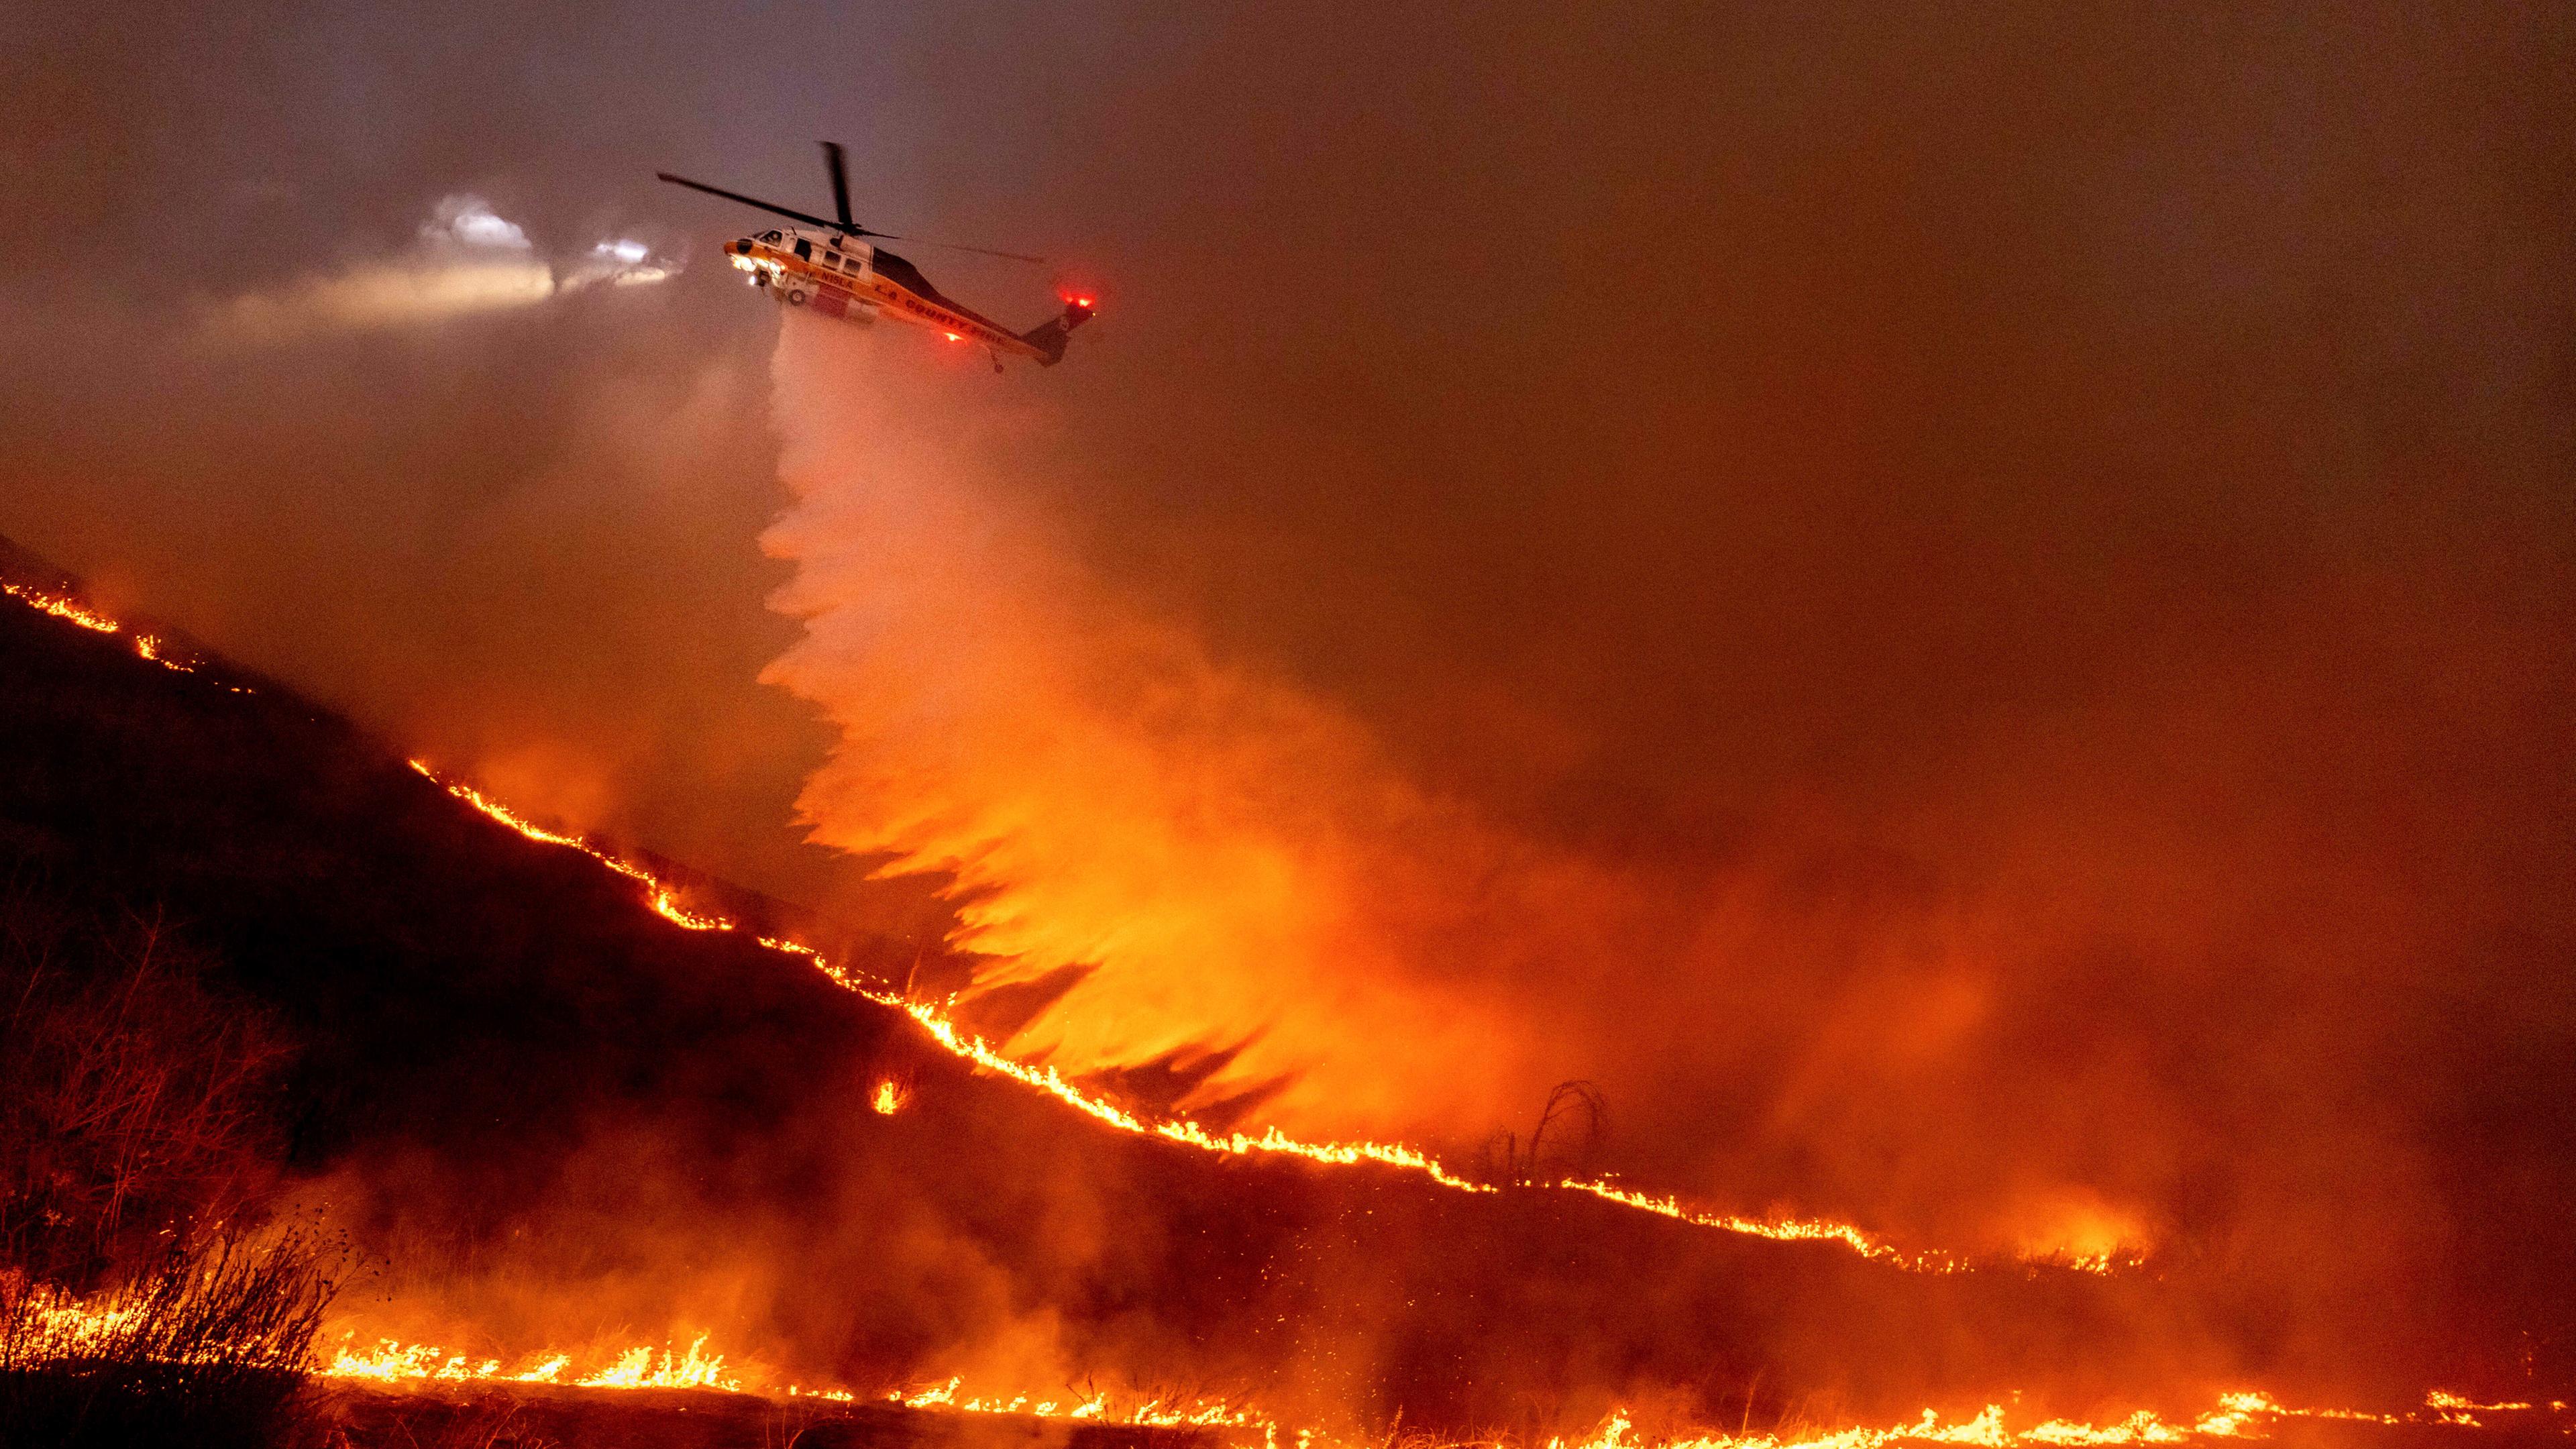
(207, 1347)
(133, 1098)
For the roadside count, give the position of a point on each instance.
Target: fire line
(935, 1022)
(663, 899)
(70, 1327)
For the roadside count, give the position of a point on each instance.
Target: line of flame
(65, 1327)
(68, 1327)
(2242, 1415)
(935, 1021)
(2239, 1415)
(640, 1367)
(146, 646)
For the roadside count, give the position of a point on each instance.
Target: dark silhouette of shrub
(139, 1303)
(134, 1097)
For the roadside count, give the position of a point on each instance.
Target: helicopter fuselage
(841, 276)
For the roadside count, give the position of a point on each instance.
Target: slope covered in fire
(546, 1119)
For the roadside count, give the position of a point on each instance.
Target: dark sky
(1970, 609)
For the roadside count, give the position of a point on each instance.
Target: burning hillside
(584, 1129)
(1688, 727)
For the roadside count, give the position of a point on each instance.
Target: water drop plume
(1229, 858)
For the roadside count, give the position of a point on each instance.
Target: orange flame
(664, 900)
(639, 1367)
(2246, 1414)
(2242, 1415)
(71, 611)
(934, 1020)
(62, 608)
(65, 1327)
(68, 1328)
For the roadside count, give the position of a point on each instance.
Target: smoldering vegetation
(543, 1117)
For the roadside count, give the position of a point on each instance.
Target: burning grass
(1429, 1282)
(207, 1347)
(139, 1300)
(936, 1020)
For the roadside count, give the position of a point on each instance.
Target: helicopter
(830, 266)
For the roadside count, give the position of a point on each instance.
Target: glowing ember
(889, 1099)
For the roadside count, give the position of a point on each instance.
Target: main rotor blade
(960, 247)
(841, 195)
(840, 183)
(756, 201)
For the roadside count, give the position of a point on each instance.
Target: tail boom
(1049, 338)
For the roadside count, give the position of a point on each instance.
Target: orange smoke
(890, 1097)
(1235, 860)
(1232, 871)
(1233, 874)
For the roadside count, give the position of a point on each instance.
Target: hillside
(543, 1117)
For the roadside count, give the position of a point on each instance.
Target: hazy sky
(2011, 563)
